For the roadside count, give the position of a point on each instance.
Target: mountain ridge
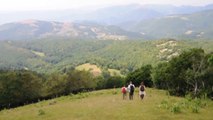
(34, 29)
(89, 14)
(185, 26)
(125, 22)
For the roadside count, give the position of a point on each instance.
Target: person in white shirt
(131, 89)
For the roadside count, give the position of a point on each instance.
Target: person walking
(124, 92)
(131, 88)
(142, 92)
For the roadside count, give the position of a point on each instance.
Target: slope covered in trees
(62, 55)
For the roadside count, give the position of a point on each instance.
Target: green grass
(108, 105)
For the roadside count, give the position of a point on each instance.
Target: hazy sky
(14, 5)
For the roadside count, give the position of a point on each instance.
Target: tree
(114, 81)
(55, 84)
(79, 80)
(187, 73)
(139, 75)
(208, 75)
(195, 72)
(101, 82)
(210, 59)
(18, 87)
(160, 76)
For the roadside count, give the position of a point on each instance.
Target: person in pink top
(124, 92)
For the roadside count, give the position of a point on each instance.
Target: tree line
(19, 87)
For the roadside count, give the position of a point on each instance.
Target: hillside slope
(108, 104)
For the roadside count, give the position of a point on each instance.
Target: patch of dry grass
(95, 70)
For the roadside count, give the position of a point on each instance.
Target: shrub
(176, 108)
(164, 104)
(195, 109)
(41, 112)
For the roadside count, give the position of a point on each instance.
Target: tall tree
(18, 87)
(139, 75)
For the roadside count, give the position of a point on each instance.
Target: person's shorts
(142, 93)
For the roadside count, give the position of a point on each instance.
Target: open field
(108, 105)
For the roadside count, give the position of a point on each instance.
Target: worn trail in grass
(108, 105)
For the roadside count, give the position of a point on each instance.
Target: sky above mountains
(24, 5)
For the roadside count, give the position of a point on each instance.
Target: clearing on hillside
(95, 70)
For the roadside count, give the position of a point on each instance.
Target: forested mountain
(197, 25)
(189, 26)
(34, 29)
(119, 15)
(48, 55)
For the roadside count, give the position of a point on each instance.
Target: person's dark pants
(131, 95)
(142, 96)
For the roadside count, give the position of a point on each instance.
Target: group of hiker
(131, 89)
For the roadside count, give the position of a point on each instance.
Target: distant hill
(119, 15)
(116, 15)
(35, 29)
(198, 25)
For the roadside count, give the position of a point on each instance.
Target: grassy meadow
(108, 105)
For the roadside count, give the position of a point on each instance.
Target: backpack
(142, 88)
(123, 90)
(132, 89)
